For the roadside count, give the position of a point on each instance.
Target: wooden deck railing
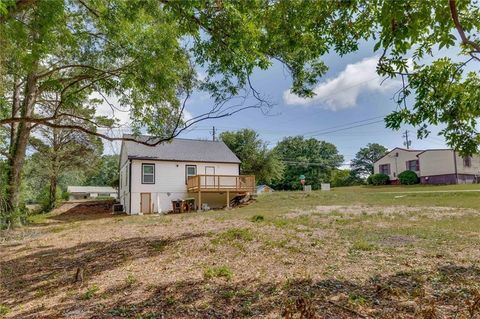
(221, 183)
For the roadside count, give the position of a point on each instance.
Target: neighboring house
(433, 166)
(90, 192)
(264, 189)
(397, 161)
(445, 166)
(151, 177)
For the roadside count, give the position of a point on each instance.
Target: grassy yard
(357, 252)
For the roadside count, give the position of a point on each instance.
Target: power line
(346, 128)
(214, 134)
(407, 142)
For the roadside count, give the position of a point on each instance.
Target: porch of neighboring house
(229, 184)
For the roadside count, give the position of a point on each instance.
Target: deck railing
(221, 183)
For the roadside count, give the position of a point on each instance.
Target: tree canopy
(256, 158)
(61, 58)
(363, 162)
(309, 157)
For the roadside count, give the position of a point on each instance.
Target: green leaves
(310, 157)
(363, 162)
(254, 154)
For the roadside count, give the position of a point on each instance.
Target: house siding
(397, 159)
(170, 184)
(437, 162)
(447, 167)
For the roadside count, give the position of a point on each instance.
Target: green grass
(235, 234)
(365, 195)
(218, 272)
(90, 292)
(4, 310)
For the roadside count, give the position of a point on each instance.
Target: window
(148, 173)
(413, 165)
(190, 170)
(385, 169)
(467, 161)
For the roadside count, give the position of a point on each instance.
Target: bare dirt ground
(260, 261)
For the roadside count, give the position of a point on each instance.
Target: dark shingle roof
(179, 149)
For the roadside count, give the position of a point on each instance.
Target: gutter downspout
(130, 186)
(455, 165)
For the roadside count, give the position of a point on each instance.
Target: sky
(350, 95)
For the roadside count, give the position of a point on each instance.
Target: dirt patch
(224, 265)
(398, 240)
(355, 210)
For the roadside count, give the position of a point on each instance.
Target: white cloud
(112, 109)
(343, 91)
(187, 115)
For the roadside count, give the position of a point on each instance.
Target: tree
(256, 158)
(71, 54)
(345, 177)
(106, 173)
(363, 162)
(59, 150)
(310, 157)
(409, 35)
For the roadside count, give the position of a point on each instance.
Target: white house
(90, 192)
(397, 161)
(151, 177)
(445, 166)
(433, 166)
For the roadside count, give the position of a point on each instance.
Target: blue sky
(350, 92)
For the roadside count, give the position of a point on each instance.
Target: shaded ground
(283, 255)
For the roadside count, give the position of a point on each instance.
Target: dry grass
(300, 259)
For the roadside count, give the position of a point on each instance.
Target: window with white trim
(148, 173)
(190, 170)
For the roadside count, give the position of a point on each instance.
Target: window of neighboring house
(413, 165)
(467, 161)
(384, 169)
(190, 170)
(148, 173)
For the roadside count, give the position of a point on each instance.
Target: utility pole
(214, 138)
(407, 142)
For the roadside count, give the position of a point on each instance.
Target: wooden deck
(221, 183)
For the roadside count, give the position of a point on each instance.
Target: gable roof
(179, 149)
(90, 189)
(435, 150)
(399, 149)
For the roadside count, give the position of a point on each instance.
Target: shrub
(408, 178)
(380, 179)
(257, 218)
(369, 180)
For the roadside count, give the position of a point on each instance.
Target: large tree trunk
(18, 144)
(52, 199)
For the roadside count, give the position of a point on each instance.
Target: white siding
(170, 183)
(474, 168)
(123, 190)
(437, 162)
(397, 158)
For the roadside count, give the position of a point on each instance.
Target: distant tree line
(318, 161)
(58, 158)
